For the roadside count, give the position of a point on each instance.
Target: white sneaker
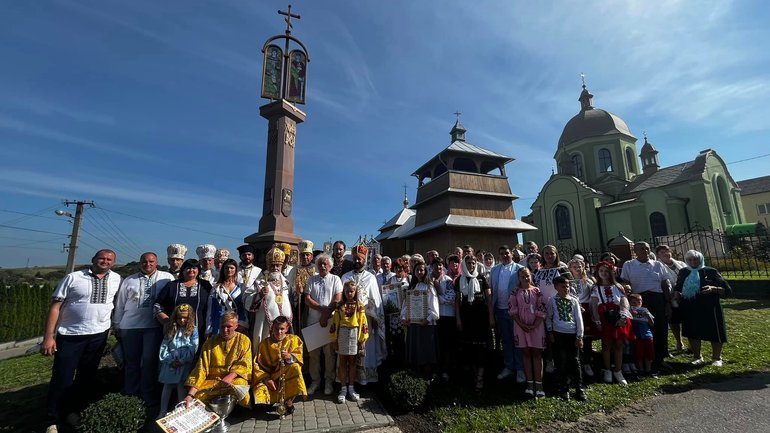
(341, 395)
(313, 388)
(607, 376)
(588, 370)
(503, 374)
(698, 361)
(520, 376)
(549, 366)
(619, 377)
(353, 395)
(52, 429)
(329, 388)
(717, 363)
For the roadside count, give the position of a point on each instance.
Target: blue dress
(181, 348)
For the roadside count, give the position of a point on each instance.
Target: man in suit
(503, 280)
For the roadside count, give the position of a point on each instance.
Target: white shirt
(368, 291)
(673, 271)
(563, 315)
(135, 300)
(644, 276)
(87, 302)
(322, 290)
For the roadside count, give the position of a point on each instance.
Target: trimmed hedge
(115, 413)
(23, 309)
(407, 391)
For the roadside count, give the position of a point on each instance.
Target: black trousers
(656, 303)
(74, 369)
(566, 356)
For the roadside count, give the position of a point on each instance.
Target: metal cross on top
(583, 79)
(457, 113)
(288, 18)
(284, 70)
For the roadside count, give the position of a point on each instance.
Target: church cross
(457, 113)
(583, 79)
(288, 18)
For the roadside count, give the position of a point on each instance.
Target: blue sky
(151, 108)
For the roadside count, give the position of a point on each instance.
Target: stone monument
(284, 83)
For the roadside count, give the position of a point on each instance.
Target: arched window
(630, 160)
(563, 223)
(658, 224)
(577, 163)
(723, 196)
(605, 160)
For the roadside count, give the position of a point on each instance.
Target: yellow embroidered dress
(350, 328)
(218, 358)
(267, 365)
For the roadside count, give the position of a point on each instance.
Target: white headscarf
(469, 283)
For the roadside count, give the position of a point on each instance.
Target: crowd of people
(214, 325)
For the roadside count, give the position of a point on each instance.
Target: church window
(630, 160)
(563, 224)
(577, 163)
(658, 224)
(605, 160)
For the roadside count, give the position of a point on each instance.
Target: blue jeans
(140, 362)
(68, 391)
(513, 358)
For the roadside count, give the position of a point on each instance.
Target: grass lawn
(503, 408)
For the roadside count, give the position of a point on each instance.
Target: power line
(107, 244)
(121, 233)
(27, 215)
(32, 230)
(117, 242)
(171, 225)
(750, 159)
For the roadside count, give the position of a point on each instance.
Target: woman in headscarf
(473, 319)
(699, 289)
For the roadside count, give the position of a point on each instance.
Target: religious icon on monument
(296, 76)
(286, 202)
(272, 77)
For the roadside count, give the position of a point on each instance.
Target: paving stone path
(318, 414)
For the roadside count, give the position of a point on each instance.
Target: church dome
(591, 122)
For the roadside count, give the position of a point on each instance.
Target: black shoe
(564, 395)
(580, 395)
(290, 410)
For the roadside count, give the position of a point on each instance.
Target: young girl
(421, 333)
(609, 308)
(534, 262)
(527, 307)
(447, 321)
(177, 353)
(582, 286)
(350, 332)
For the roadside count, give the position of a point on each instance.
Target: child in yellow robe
(225, 360)
(349, 333)
(268, 368)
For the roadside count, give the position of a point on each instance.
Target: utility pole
(75, 229)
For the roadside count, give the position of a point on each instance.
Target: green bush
(115, 413)
(407, 391)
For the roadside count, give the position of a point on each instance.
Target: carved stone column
(277, 222)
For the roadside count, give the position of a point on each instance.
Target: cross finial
(288, 18)
(644, 133)
(406, 198)
(458, 114)
(583, 79)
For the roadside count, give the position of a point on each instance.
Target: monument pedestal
(277, 222)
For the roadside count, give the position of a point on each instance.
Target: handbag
(611, 315)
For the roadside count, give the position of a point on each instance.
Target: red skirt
(589, 327)
(609, 330)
